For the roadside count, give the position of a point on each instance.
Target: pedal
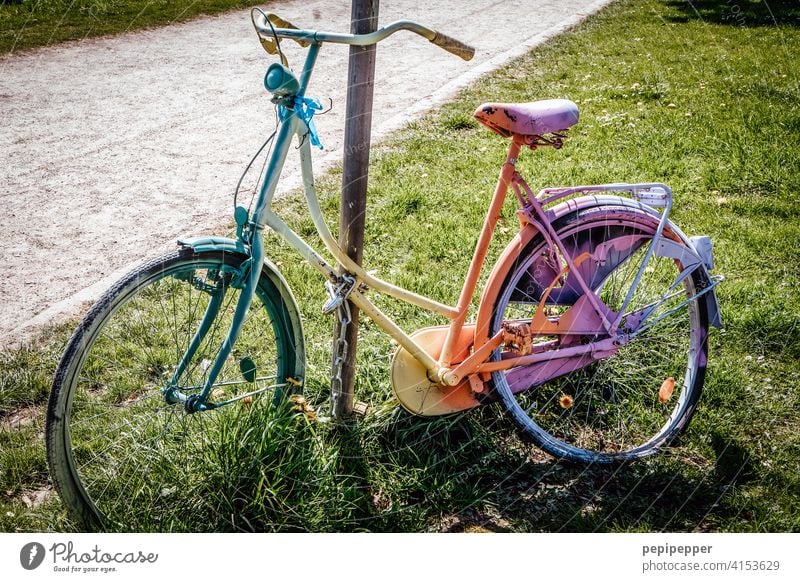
(338, 293)
(518, 336)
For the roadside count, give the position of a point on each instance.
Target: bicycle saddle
(535, 118)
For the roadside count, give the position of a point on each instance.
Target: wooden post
(360, 84)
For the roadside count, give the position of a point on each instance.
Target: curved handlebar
(284, 29)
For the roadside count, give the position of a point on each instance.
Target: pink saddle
(535, 118)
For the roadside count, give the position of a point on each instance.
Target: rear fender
(700, 245)
(688, 253)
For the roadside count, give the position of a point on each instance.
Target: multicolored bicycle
(591, 330)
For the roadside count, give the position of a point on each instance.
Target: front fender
(202, 244)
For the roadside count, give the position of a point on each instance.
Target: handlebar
(266, 23)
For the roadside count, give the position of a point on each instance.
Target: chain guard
(414, 389)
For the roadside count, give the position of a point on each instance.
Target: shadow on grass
(391, 472)
(451, 475)
(744, 13)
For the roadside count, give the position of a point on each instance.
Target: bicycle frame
(438, 369)
(264, 216)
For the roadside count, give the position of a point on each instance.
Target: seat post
(481, 248)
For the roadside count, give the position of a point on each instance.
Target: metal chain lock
(340, 353)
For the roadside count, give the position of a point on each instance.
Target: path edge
(24, 333)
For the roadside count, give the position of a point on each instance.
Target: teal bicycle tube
(289, 127)
(308, 68)
(256, 261)
(205, 324)
(318, 36)
(443, 41)
(253, 274)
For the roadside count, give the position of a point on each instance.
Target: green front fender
(269, 270)
(203, 244)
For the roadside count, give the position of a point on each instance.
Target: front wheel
(122, 454)
(626, 405)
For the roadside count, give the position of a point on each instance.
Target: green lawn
(26, 24)
(703, 96)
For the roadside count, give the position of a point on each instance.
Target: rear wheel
(626, 405)
(123, 457)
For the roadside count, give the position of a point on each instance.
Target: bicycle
(591, 330)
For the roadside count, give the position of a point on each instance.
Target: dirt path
(113, 148)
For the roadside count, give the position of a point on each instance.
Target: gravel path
(113, 148)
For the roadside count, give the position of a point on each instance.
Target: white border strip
(366, 557)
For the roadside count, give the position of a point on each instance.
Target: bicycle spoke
(136, 457)
(609, 406)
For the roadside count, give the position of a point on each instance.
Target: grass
(699, 96)
(27, 24)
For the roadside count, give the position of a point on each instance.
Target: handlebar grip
(453, 45)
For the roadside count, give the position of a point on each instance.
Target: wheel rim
(610, 409)
(139, 462)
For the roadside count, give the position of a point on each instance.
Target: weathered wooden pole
(360, 84)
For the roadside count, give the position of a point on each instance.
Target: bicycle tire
(608, 411)
(120, 456)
